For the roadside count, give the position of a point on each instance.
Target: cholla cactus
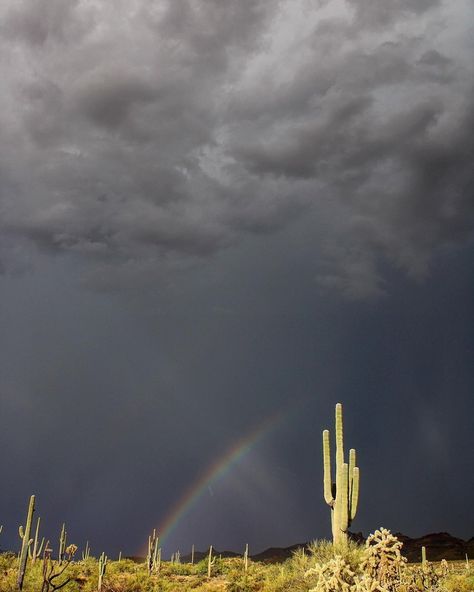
(337, 575)
(383, 560)
(444, 567)
(365, 583)
(334, 576)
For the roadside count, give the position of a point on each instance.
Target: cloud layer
(138, 132)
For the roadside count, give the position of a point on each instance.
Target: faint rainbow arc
(214, 472)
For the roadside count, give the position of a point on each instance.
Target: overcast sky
(212, 212)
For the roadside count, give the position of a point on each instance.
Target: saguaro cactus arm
(327, 469)
(354, 494)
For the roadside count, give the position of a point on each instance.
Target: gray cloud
(150, 132)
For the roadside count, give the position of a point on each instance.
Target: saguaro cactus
(343, 494)
(102, 568)
(86, 553)
(210, 562)
(62, 544)
(152, 555)
(26, 542)
(35, 552)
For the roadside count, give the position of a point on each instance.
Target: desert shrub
(289, 575)
(217, 566)
(300, 572)
(463, 582)
(323, 551)
(240, 581)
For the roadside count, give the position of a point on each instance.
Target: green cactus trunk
(343, 495)
(26, 542)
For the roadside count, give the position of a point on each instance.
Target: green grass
(228, 575)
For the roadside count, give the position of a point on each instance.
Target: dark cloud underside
(139, 131)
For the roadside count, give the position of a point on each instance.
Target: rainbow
(214, 472)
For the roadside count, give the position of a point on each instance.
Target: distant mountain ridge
(439, 545)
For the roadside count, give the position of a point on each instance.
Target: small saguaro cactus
(26, 542)
(62, 544)
(343, 495)
(152, 555)
(210, 562)
(86, 553)
(423, 556)
(102, 568)
(192, 555)
(246, 558)
(157, 564)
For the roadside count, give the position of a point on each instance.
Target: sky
(217, 220)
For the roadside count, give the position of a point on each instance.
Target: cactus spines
(102, 568)
(26, 542)
(35, 553)
(343, 495)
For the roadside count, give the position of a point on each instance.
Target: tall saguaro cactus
(26, 542)
(343, 494)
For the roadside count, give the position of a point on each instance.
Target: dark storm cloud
(137, 131)
(371, 13)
